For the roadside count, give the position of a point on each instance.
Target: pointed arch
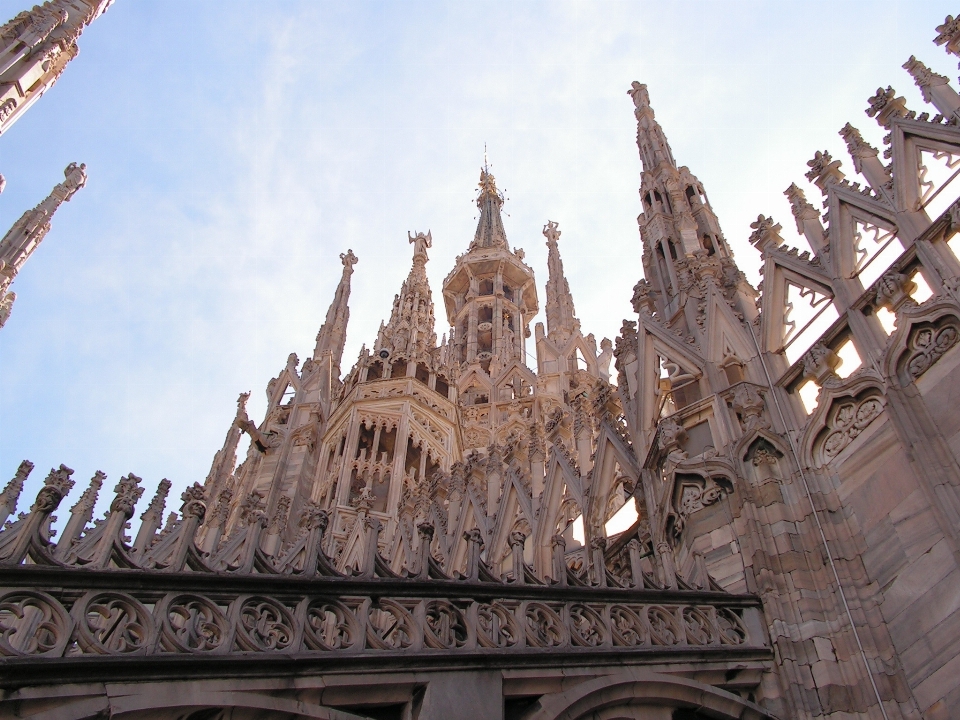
(841, 400)
(924, 334)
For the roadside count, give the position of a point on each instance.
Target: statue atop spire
(333, 332)
(410, 330)
(561, 321)
(28, 232)
(490, 232)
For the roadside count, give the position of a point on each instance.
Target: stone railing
(48, 612)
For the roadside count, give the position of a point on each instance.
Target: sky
(235, 148)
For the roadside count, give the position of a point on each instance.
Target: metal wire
(816, 518)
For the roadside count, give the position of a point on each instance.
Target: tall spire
(410, 330)
(654, 148)
(27, 233)
(490, 232)
(35, 48)
(561, 321)
(678, 226)
(333, 332)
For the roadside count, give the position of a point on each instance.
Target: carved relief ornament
(927, 345)
(847, 420)
(692, 494)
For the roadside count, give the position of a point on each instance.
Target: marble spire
(410, 330)
(490, 232)
(28, 232)
(561, 320)
(651, 140)
(333, 332)
(678, 226)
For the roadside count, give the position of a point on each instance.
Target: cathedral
(746, 505)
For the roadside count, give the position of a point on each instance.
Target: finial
(766, 233)
(486, 165)
(242, 403)
(949, 35)
(885, 106)
(924, 77)
(824, 170)
(488, 185)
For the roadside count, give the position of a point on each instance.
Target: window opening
(381, 490)
(807, 314)
(923, 291)
(707, 244)
(888, 320)
(623, 519)
(577, 528)
(937, 170)
(850, 360)
(875, 249)
(388, 439)
(953, 242)
(808, 391)
(364, 442)
(423, 374)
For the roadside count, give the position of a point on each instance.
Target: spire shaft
(561, 320)
(490, 232)
(333, 333)
(410, 331)
(28, 232)
(651, 140)
(678, 226)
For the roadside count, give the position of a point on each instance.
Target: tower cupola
(490, 295)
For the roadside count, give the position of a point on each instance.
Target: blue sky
(234, 149)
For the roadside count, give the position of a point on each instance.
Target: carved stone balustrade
(85, 617)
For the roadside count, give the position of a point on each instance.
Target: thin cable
(816, 518)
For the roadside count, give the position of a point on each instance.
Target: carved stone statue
(75, 177)
(349, 260)
(550, 231)
(420, 243)
(639, 95)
